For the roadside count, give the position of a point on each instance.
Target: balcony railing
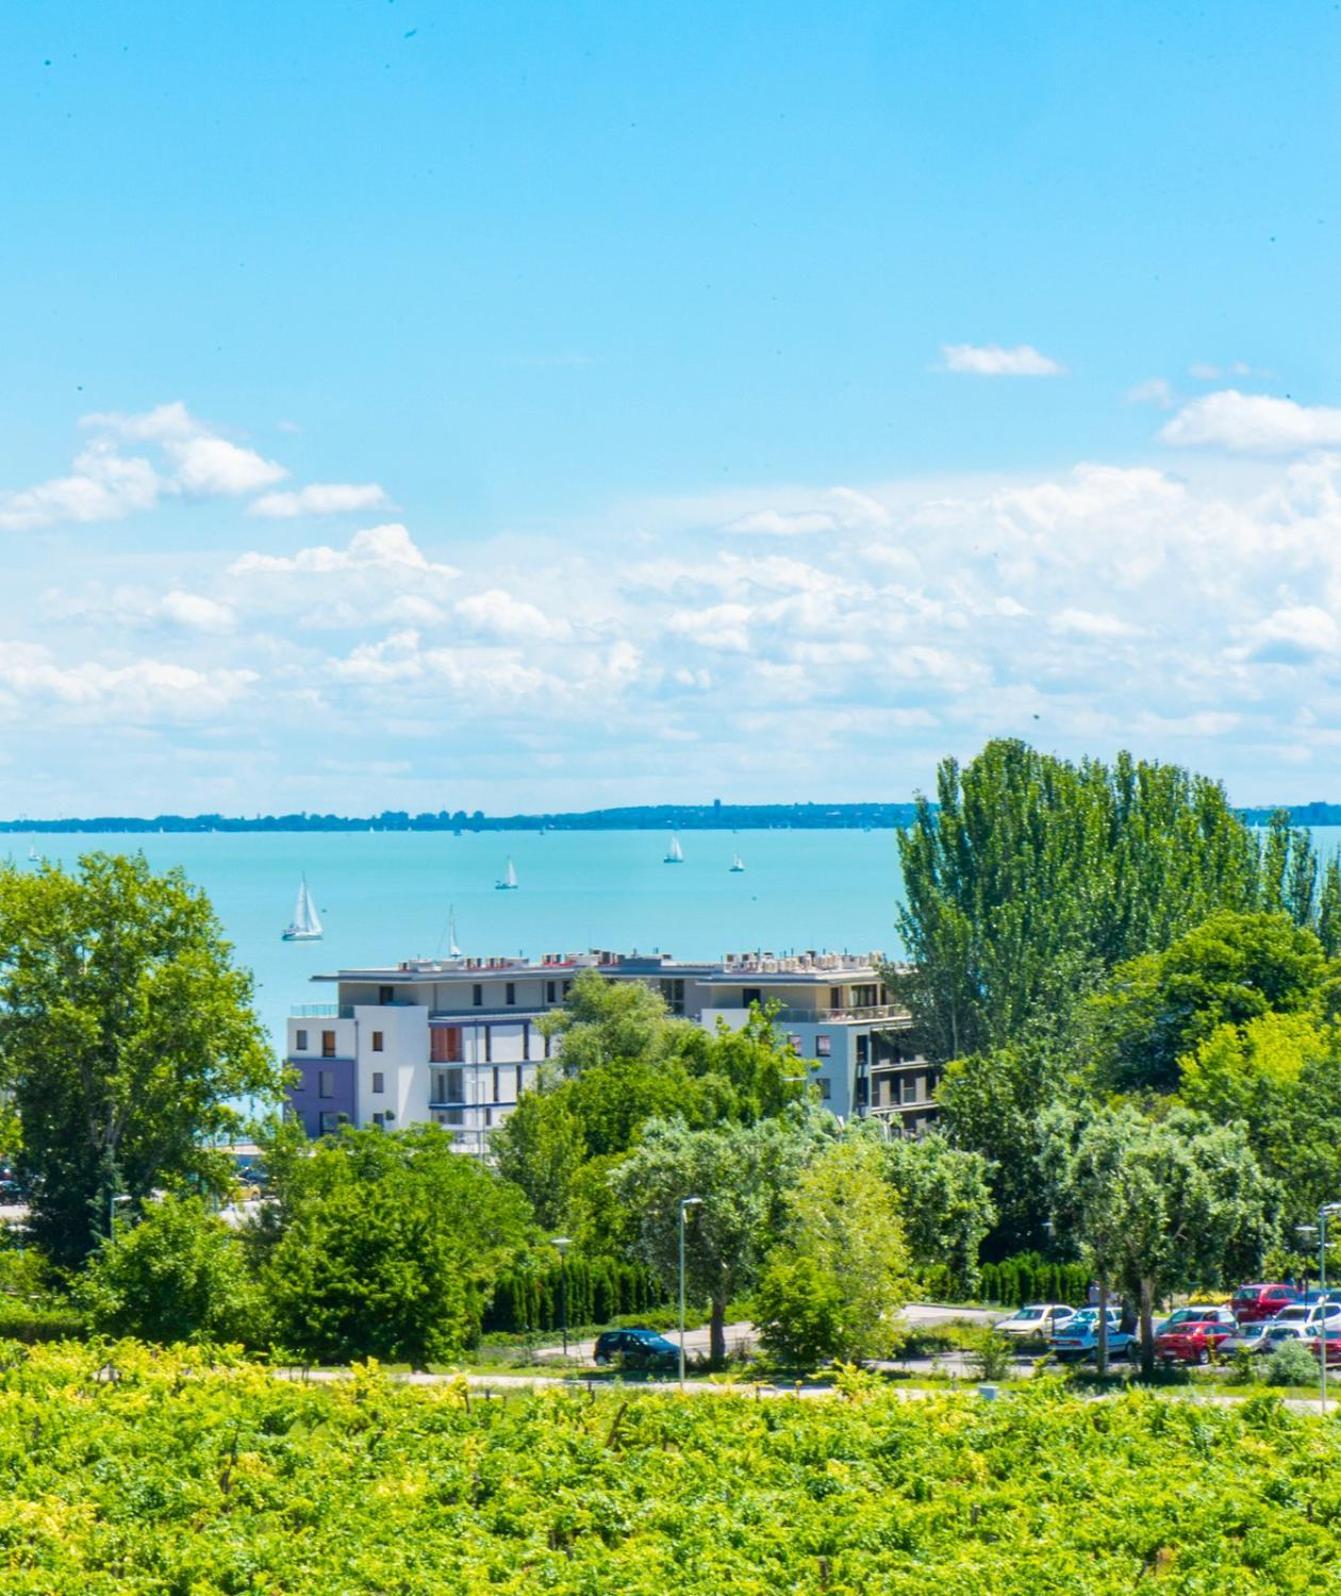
(852, 1016)
(321, 1011)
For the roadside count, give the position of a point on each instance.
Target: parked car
(1036, 1321)
(1327, 1345)
(1078, 1339)
(1193, 1341)
(1255, 1302)
(637, 1349)
(1202, 1312)
(1309, 1315)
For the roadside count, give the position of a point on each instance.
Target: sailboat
(675, 853)
(509, 881)
(737, 864)
(306, 925)
(453, 952)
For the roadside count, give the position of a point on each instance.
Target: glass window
(510, 993)
(300, 1041)
(377, 1042)
(495, 1083)
(824, 1088)
(449, 1086)
(325, 1083)
(477, 995)
(910, 1088)
(521, 1076)
(863, 1051)
(379, 1081)
(330, 1123)
(551, 991)
(823, 1046)
(328, 1044)
(444, 1044)
(386, 994)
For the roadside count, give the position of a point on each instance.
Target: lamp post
(1323, 1213)
(113, 1203)
(685, 1203)
(562, 1244)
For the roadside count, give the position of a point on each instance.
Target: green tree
(387, 1246)
(1163, 1204)
(1228, 970)
(1031, 877)
(127, 1036)
(180, 1274)
(991, 1105)
(945, 1197)
(834, 1286)
(541, 1147)
(741, 1173)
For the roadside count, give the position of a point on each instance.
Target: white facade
(456, 1042)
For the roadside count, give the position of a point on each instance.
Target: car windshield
(1030, 1313)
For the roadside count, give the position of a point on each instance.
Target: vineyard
(132, 1471)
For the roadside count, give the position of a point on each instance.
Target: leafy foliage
(945, 1202)
(1034, 876)
(219, 1480)
(178, 1275)
(126, 1035)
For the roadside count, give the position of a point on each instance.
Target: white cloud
(204, 462)
(140, 690)
(1085, 623)
(387, 548)
(839, 509)
(495, 613)
(1247, 423)
(721, 627)
(1155, 391)
(103, 486)
(992, 360)
(1293, 635)
(782, 523)
(320, 498)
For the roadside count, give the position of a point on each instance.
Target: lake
(386, 896)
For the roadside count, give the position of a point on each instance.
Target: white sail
(737, 864)
(306, 925)
(453, 952)
(675, 853)
(509, 881)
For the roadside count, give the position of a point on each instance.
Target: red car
(1193, 1341)
(1330, 1342)
(1254, 1303)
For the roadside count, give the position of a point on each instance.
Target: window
(495, 1083)
(444, 1044)
(510, 993)
(567, 988)
(835, 997)
(551, 991)
(329, 1123)
(328, 1044)
(909, 1088)
(325, 1083)
(824, 1088)
(823, 1045)
(379, 1081)
(521, 1078)
(488, 1044)
(386, 994)
(863, 1052)
(488, 1117)
(300, 1041)
(477, 995)
(750, 995)
(449, 1116)
(380, 1121)
(864, 997)
(377, 1041)
(449, 1086)
(794, 1042)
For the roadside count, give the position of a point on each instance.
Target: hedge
(599, 1290)
(1029, 1277)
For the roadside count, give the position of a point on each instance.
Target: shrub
(1291, 1364)
(992, 1357)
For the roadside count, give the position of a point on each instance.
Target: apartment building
(456, 1042)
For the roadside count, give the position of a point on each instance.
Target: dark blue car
(637, 1349)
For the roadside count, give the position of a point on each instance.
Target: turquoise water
(386, 896)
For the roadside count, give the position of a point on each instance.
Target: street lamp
(685, 1202)
(1306, 1234)
(562, 1244)
(113, 1203)
(1323, 1212)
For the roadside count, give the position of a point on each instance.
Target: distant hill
(639, 817)
(649, 817)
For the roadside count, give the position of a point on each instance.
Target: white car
(1036, 1321)
(1309, 1315)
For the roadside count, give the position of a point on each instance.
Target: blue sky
(547, 405)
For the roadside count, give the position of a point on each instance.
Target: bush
(1029, 1277)
(1292, 1364)
(992, 1358)
(799, 1308)
(179, 1275)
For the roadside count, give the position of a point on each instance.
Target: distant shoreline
(646, 817)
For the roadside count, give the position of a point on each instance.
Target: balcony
(321, 1011)
(848, 1016)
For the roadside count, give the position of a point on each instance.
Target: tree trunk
(717, 1333)
(1147, 1329)
(1102, 1350)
